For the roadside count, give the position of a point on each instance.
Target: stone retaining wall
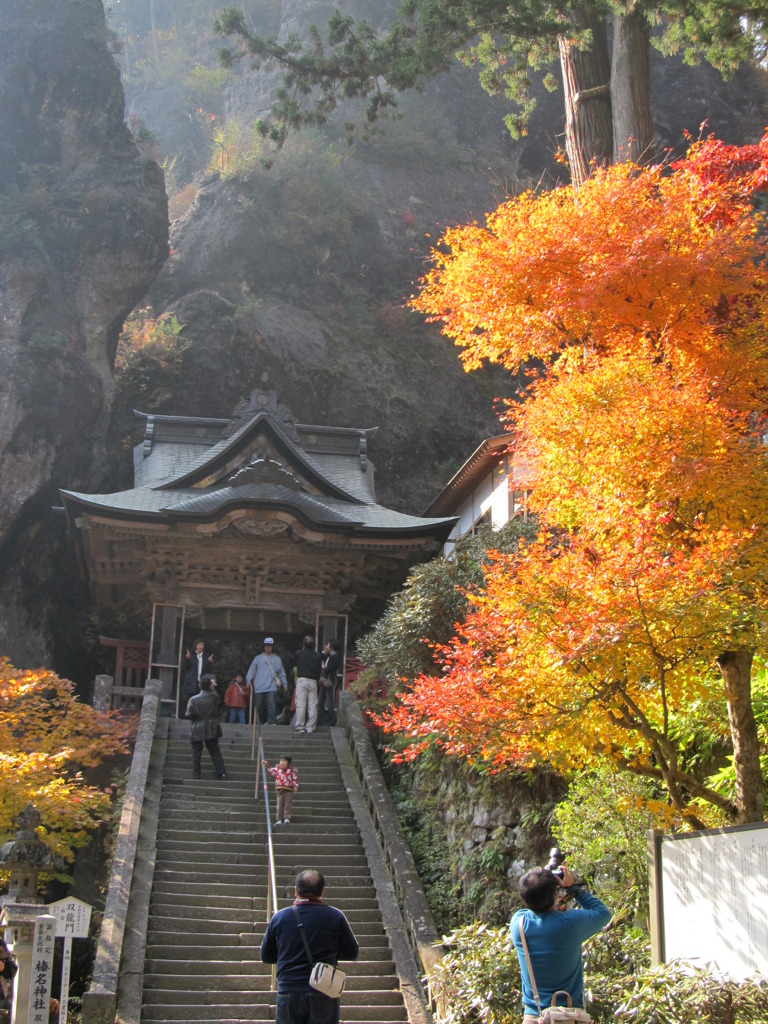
(100, 1001)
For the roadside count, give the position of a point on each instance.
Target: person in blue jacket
(554, 937)
(330, 939)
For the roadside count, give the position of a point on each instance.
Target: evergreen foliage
(423, 615)
(506, 41)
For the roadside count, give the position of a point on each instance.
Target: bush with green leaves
(478, 980)
(680, 994)
(602, 827)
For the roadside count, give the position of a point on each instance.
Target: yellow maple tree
(48, 739)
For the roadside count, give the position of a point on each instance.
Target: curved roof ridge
(261, 420)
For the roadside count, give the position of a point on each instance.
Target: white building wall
(493, 495)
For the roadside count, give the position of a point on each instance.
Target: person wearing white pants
(309, 665)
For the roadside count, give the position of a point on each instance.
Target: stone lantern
(26, 857)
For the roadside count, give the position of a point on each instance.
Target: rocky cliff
(83, 232)
(298, 272)
(301, 271)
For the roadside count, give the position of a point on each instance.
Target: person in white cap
(264, 676)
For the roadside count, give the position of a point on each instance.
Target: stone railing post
(100, 1001)
(103, 687)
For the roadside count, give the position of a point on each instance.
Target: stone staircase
(208, 903)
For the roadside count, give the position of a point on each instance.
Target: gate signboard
(73, 918)
(709, 899)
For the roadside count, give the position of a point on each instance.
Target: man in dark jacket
(203, 710)
(328, 681)
(329, 938)
(197, 663)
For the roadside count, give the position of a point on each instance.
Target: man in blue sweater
(554, 938)
(330, 939)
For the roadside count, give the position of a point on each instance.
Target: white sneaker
(286, 821)
(307, 730)
(278, 822)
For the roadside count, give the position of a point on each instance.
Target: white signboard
(73, 918)
(42, 968)
(714, 898)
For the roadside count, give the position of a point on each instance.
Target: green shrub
(680, 994)
(400, 645)
(479, 980)
(602, 827)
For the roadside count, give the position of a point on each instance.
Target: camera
(555, 865)
(556, 860)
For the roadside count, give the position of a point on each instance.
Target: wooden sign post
(73, 918)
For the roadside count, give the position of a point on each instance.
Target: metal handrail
(271, 879)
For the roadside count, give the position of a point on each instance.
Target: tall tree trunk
(631, 89)
(586, 83)
(153, 33)
(736, 669)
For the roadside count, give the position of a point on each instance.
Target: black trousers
(213, 750)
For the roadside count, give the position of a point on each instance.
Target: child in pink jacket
(286, 783)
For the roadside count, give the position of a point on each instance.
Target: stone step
(192, 951)
(226, 869)
(345, 1019)
(180, 753)
(218, 941)
(185, 970)
(273, 745)
(338, 837)
(330, 815)
(212, 911)
(219, 818)
(253, 1012)
(186, 874)
(178, 767)
(180, 997)
(241, 982)
(213, 921)
(238, 847)
(253, 887)
(240, 793)
(240, 908)
(216, 1018)
(196, 794)
(364, 925)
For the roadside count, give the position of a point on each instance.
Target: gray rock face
(83, 231)
(303, 270)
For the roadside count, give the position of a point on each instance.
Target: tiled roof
(188, 467)
(192, 502)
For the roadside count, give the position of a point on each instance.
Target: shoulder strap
(303, 936)
(528, 964)
(274, 674)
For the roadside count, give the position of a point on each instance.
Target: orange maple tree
(47, 739)
(643, 300)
